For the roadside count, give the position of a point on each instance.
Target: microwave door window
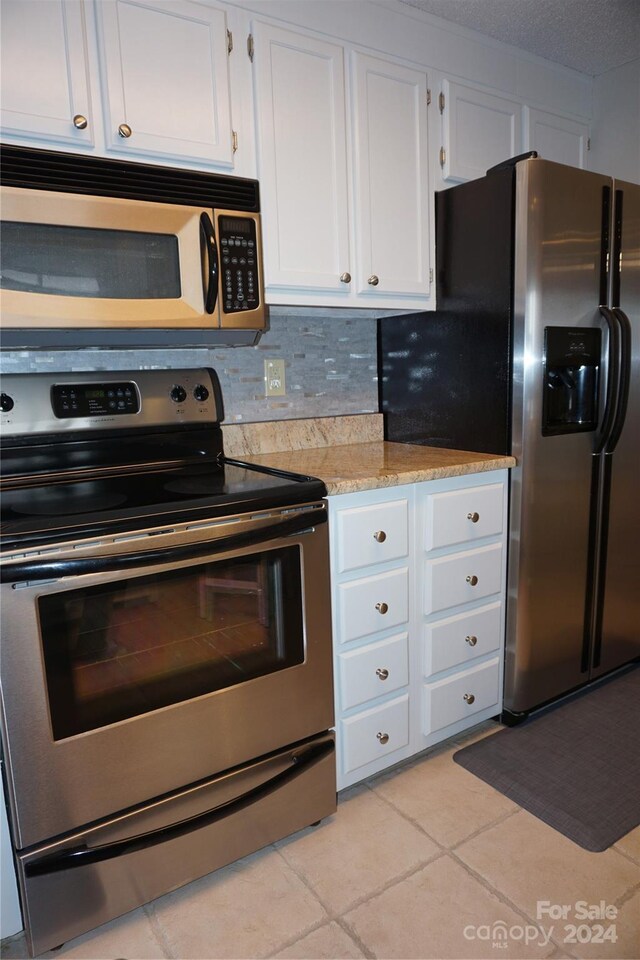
(88, 262)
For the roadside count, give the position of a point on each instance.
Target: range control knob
(6, 403)
(178, 394)
(201, 393)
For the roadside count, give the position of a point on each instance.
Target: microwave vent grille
(98, 176)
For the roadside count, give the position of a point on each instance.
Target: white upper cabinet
(479, 131)
(324, 242)
(556, 138)
(166, 84)
(390, 177)
(45, 85)
(300, 113)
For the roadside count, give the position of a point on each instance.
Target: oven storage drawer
(63, 903)
(373, 604)
(373, 671)
(460, 696)
(375, 733)
(462, 577)
(462, 516)
(455, 640)
(372, 534)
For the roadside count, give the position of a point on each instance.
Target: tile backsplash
(330, 367)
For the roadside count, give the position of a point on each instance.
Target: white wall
(615, 128)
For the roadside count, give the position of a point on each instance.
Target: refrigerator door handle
(613, 381)
(624, 379)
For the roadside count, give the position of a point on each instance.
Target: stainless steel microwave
(133, 268)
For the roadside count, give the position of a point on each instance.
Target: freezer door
(559, 270)
(618, 640)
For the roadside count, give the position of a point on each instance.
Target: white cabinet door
(300, 109)
(391, 181)
(165, 74)
(555, 137)
(44, 71)
(480, 130)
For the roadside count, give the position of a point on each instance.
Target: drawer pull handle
(474, 517)
(380, 536)
(382, 673)
(345, 278)
(473, 581)
(382, 607)
(80, 122)
(383, 737)
(471, 640)
(124, 131)
(469, 698)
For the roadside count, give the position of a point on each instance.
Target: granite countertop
(348, 468)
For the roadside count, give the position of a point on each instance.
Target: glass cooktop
(59, 511)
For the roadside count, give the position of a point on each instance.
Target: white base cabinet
(418, 592)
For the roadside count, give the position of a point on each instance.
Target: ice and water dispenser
(571, 380)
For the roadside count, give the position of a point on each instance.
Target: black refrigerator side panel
(444, 376)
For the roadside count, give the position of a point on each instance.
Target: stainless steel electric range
(166, 644)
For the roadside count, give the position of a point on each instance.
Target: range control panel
(38, 403)
(94, 399)
(238, 240)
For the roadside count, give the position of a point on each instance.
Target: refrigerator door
(618, 638)
(558, 283)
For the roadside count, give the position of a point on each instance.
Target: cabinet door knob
(471, 640)
(124, 131)
(345, 278)
(80, 122)
(383, 737)
(472, 580)
(382, 673)
(373, 281)
(382, 607)
(474, 517)
(380, 536)
(469, 698)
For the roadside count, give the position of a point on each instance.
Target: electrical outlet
(274, 378)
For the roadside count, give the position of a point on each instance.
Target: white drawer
(372, 534)
(462, 577)
(456, 640)
(461, 516)
(373, 604)
(445, 703)
(372, 671)
(375, 733)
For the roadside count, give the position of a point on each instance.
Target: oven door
(81, 262)
(138, 666)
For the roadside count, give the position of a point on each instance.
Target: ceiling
(592, 36)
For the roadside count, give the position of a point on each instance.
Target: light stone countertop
(349, 468)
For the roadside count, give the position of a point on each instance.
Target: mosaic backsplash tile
(330, 367)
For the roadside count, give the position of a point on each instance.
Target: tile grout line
(497, 894)
(156, 928)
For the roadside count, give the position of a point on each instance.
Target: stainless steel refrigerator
(534, 350)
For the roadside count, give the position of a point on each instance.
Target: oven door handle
(34, 570)
(82, 856)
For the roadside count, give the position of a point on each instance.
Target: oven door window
(68, 261)
(124, 648)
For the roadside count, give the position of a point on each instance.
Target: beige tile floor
(424, 861)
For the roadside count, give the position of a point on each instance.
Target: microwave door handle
(210, 283)
(81, 856)
(34, 570)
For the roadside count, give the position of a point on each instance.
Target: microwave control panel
(238, 244)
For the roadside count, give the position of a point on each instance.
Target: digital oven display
(78, 400)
